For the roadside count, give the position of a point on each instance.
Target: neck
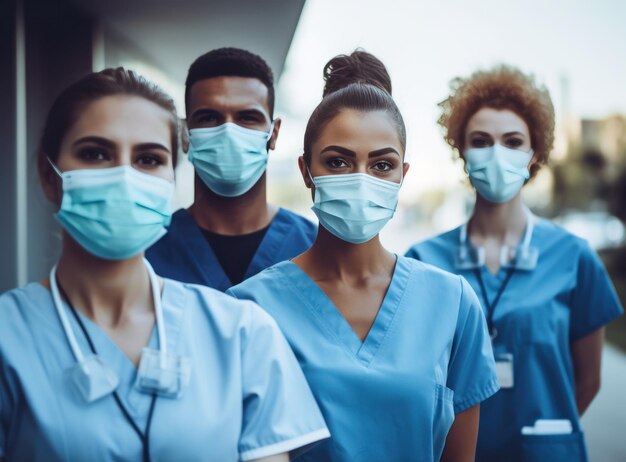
(333, 258)
(232, 216)
(500, 222)
(104, 290)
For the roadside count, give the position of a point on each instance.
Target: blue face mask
(497, 172)
(229, 159)
(354, 207)
(114, 213)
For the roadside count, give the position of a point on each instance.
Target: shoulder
(217, 309)
(268, 279)
(443, 243)
(550, 237)
(433, 279)
(292, 218)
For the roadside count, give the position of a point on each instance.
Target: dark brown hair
(503, 87)
(67, 107)
(357, 81)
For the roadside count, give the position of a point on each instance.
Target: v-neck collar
(173, 303)
(201, 251)
(330, 316)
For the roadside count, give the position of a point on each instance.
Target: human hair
(358, 81)
(502, 87)
(68, 105)
(231, 62)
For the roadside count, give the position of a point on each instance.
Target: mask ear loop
(54, 167)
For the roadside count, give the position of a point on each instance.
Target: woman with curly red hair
(545, 293)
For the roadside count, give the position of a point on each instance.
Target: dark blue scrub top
(184, 254)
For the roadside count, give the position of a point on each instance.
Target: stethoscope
(471, 258)
(92, 377)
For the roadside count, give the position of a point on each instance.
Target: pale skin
(355, 277)
(242, 101)
(493, 226)
(115, 294)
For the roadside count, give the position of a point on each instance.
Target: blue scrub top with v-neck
(185, 255)
(247, 398)
(567, 296)
(393, 396)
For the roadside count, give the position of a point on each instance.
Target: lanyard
(491, 306)
(144, 437)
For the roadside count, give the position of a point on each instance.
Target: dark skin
(355, 277)
(243, 101)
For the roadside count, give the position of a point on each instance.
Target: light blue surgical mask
(114, 213)
(354, 207)
(497, 172)
(229, 159)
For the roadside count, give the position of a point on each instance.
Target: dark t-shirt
(235, 253)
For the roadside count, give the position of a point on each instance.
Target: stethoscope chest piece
(91, 378)
(165, 375)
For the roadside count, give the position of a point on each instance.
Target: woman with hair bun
(395, 351)
(106, 361)
(545, 293)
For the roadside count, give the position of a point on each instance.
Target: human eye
(514, 142)
(336, 162)
(93, 154)
(150, 160)
(480, 142)
(383, 166)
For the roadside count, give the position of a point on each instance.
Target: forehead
(496, 121)
(360, 131)
(130, 119)
(228, 93)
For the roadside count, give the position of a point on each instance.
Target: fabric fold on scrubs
(184, 254)
(566, 297)
(246, 395)
(394, 395)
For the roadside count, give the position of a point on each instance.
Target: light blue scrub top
(185, 255)
(392, 397)
(566, 297)
(247, 398)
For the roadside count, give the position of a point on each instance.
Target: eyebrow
(203, 111)
(479, 132)
(349, 153)
(111, 145)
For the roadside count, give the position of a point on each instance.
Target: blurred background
(576, 48)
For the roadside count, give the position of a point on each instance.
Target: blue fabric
(247, 397)
(566, 297)
(393, 396)
(184, 254)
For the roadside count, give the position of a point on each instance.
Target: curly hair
(503, 87)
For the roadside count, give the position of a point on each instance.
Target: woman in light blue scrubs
(545, 293)
(106, 361)
(395, 351)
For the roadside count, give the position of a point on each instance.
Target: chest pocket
(555, 448)
(443, 416)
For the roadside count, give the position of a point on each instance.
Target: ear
(184, 135)
(533, 160)
(271, 144)
(304, 171)
(405, 169)
(49, 180)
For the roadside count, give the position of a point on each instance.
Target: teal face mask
(497, 172)
(229, 159)
(114, 213)
(356, 206)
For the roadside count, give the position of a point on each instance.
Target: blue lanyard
(144, 437)
(491, 306)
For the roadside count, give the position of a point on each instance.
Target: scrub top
(246, 398)
(184, 254)
(392, 397)
(567, 296)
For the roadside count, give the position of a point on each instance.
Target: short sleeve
(594, 301)
(279, 411)
(412, 253)
(471, 370)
